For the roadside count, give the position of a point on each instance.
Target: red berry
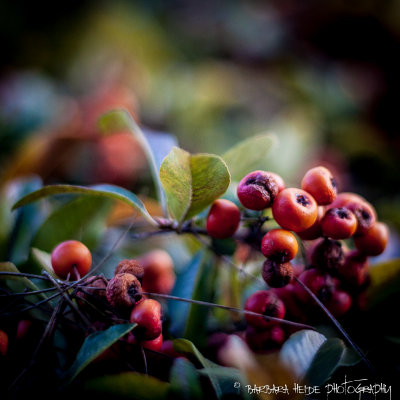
(257, 190)
(154, 344)
(23, 328)
(327, 254)
(364, 211)
(339, 303)
(314, 231)
(279, 181)
(320, 183)
(266, 303)
(147, 314)
(354, 269)
(265, 339)
(223, 219)
(159, 275)
(3, 343)
(279, 245)
(71, 258)
(320, 283)
(339, 223)
(294, 209)
(373, 242)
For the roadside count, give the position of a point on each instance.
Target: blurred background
(322, 76)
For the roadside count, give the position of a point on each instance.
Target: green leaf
(184, 286)
(43, 261)
(187, 347)
(16, 283)
(249, 155)
(117, 120)
(298, 352)
(196, 323)
(83, 219)
(128, 385)
(94, 345)
(185, 382)
(326, 360)
(27, 221)
(192, 182)
(385, 281)
(108, 191)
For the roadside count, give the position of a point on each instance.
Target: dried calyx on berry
(277, 275)
(328, 255)
(132, 267)
(124, 291)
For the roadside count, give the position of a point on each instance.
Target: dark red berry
(257, 190)
(265, 303)
(373, 242)
(339, 223)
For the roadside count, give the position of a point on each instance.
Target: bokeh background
(323, 76)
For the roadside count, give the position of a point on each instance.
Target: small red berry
(320, 183)
(339, 223)
(23, 328)
(3, 343)
(339, 303)
(147, 314)
(354, 270)
(279, 245)
(159, 275)
(71, 258)
(154, 344)
(364, 211)
(266, 303)
(223, 219)
(257, 190)
(314, 231)
(294, 209)
(279, 181)
(277, 275)
(327, 254)
(265, 339)
(373, 242)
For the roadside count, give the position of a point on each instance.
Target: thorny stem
(229, 308)
(337, 324)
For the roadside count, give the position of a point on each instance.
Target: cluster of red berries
(153, 273)
(317, 214)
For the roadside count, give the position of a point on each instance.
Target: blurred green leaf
(184, 379)
(298, 352)
(94, 345)
(192, 182)
(249, 155)
(117, 120)
(128, 385)
(83, 219)
(184, 286)
(187, 347)
(204, 287)
(43, 261)
(326, 360)
(385, 281)
(16, 283)
(26, 222)
(108, 191)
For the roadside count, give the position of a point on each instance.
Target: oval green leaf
(185, 380)
(109, 191)
(249, 155)
(192, 182)
(94, 345)
(298, 352)
(83, 219)
(326, 360)
(128, 385)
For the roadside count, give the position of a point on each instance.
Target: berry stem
(229, 308)
(337, 324)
